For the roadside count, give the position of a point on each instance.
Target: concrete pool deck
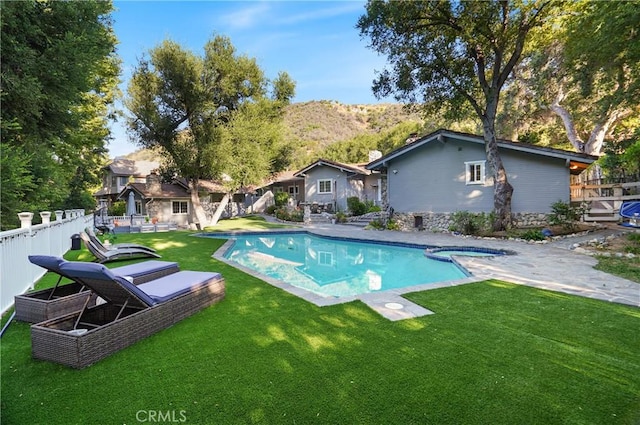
(551, 266)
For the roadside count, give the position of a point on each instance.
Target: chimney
(153, 182)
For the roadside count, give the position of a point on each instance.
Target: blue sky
(315, 42)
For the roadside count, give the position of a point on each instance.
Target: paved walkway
(553, 266)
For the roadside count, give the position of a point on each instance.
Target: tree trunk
(596, 139)
(200, 213)
(502, 189)
(593, 146)
(221, 206)
(572, 134)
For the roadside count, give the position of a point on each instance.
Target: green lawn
(494, 353)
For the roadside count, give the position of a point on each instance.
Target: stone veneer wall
(442, 221)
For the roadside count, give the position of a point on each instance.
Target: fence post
(46, 217)
(25, 219)
(59, 215)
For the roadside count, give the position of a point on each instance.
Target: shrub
(372, 207)
(378, 224)
(286, 215)
(341, 217)
(281, 198)
(271, 209)
(563, 214)
(356, 206)
(118, 208)
(469, 223)
(533, 235)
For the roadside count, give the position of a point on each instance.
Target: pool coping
(382, 302)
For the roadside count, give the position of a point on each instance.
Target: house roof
(579, 161)
(129, 167)
(351, 168)
(177, 189)
(167, 190)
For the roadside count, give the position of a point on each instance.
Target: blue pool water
(338, 267)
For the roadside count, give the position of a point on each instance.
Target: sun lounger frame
(52, 341)
(46, 304)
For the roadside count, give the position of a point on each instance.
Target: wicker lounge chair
(38, 306)
(106, 255)
(130, 313)
(92, 236)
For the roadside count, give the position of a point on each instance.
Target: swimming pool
(334, 267)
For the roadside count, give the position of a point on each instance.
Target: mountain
(313, 126)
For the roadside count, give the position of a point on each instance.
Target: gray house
(446, 171)
(329, 184)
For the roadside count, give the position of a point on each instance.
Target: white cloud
(246, 17)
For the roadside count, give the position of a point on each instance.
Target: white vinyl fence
(17, 274)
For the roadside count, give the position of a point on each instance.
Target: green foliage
(210, 114)
(271, 209)
(341, 217)
(355, 206)
(281, 198)
(287, 215)
(565, 215)
(634, 243)
(118, 208)
(454, 55)
(59, 80)
(469, 223)
(380, 224)
(533, 235)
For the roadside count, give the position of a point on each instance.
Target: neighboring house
(329, 184)
(171, 202)
(446, 171)
(285, 181)
(118, 174)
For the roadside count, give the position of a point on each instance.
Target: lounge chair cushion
(48, 262)
(171, 286)
(118, 290)
(115, 289)
(143, 267)
(134, 271)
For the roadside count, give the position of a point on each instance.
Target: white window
(475, 171)
(123, 180)
(325, 186)
(179, 207)
(293, 190)
(325, 258)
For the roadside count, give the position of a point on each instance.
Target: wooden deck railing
(605, 200)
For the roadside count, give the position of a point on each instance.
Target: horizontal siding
(432, 179)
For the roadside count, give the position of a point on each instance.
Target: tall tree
(59, 77)
(207, 113)
(589, 70)
(454, 53)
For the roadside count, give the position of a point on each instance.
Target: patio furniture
(631, 210)
(105, 255)
(130, 313)
(100, 245)
(38, 306)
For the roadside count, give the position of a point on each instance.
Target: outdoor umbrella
(131, 205)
